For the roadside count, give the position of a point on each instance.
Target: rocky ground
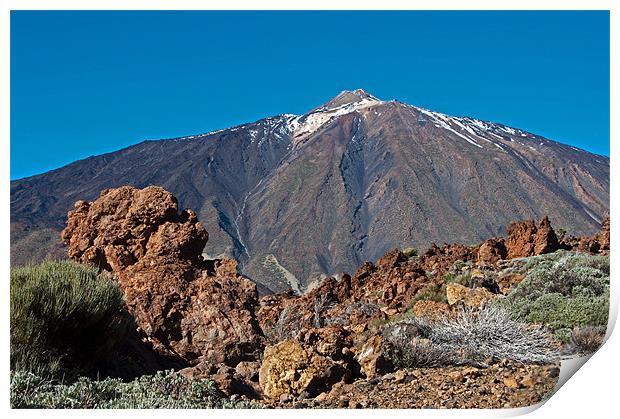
(329, 347)
(502, 385)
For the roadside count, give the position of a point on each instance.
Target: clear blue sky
(85, 83)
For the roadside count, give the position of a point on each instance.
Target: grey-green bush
(410, 252)
(165, 390)
(563, 290)
(65, 318)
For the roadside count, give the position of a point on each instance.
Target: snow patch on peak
(304, 125)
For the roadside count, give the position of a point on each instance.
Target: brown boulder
(185, 306)
(525, 238)
(491, 251)
(292, 368)
(372, 359)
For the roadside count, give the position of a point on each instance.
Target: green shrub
(433, 292)
(164, 390)
(562, 290)
(410, 252)
(65, 318)
(563, 335)
(463, 279)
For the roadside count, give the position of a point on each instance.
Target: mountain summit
(295, 197)
(347, 97)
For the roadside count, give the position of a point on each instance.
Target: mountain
(294, 197)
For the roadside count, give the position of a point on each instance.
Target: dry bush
(288, 325)
(492, 333)
(587, 339)
(321, 304)
(470, 337)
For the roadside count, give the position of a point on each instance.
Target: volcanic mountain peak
(344, 103)
(348, 97)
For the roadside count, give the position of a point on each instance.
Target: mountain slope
(295, 197)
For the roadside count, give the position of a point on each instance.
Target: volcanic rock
(310, 364)
(439, 260)
(373, 292)
(372, 358)
(598, 243)
(525, 238)
(186, 307)
(432, 310)
(491, 251)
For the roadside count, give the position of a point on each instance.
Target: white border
(593, 393)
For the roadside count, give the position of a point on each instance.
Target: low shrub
(419, 353)
(432, 292)
(463, 279)
(558, 311)
(65, 318)
(470, 337)
(563, 335)
(166, 390)
(563, 290)
(587, 339)
(410, 252)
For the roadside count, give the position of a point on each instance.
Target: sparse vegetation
(587, 339)
(463, 279)
(288, 325)
(563, 290)
(65, 318)
(410, 252)
(165, 390)
(471, 337)
(432, 292)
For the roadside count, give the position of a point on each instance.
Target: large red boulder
(491, 251)
(186, 307)
(526, 238)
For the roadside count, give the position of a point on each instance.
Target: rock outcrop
(186, 307)
(375, 291)
(526, 238)
(209, 319)
(598, 243)
(491, 251)
(439, 260)
(306, 365)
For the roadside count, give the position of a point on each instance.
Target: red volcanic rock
(374, 290)
(439, 260)
(525, 238)
(604, 235)
(598, 243)
(185, 306)
(491, 251)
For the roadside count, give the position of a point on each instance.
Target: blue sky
(86, 83)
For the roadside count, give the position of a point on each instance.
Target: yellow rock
(476, 297)
(510, 382)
